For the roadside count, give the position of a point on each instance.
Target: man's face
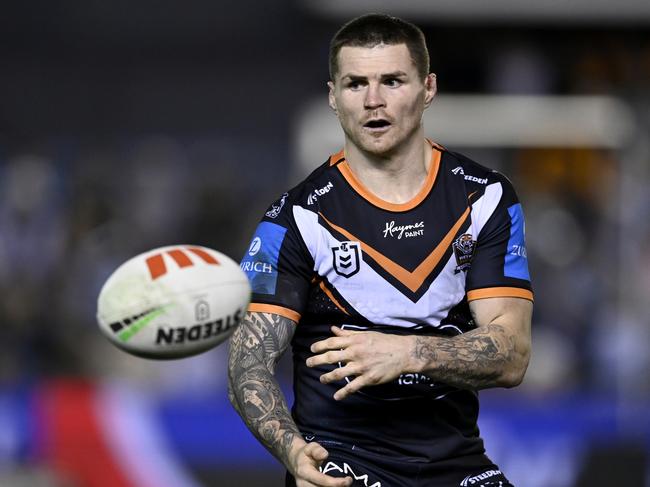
(379, 97)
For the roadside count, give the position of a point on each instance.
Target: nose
(374, 98)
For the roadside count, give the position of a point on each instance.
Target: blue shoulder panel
(261, 260)
(516, 262)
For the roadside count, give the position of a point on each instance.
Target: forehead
(375, 61)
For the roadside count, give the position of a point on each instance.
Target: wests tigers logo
(464, 248)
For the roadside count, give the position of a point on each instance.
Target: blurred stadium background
(129, 125)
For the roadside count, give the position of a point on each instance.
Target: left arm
(495, 354)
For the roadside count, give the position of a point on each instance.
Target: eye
(354, 84)
(392, 82)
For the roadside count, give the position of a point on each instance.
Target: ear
(331, 99)
(431, 88)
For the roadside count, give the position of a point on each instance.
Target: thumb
(316, 452)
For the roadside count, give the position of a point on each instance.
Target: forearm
(253, 390)
(485, 357)
(272, 423)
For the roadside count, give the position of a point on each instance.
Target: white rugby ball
(173, 302)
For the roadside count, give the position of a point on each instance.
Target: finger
(331, 357)
(341, 373)
(316, 455)
(350, 388)
(322, 480)
(332, 343)
(340, 332)
(325, 481)
(315, 477)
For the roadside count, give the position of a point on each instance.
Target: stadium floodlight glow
(529, 121)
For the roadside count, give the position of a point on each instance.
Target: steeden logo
(459, 170)
(313, 196)
(474, 480)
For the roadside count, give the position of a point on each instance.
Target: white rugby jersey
(329, 252)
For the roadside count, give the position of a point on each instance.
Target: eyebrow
(356, 77)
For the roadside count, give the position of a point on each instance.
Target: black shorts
(372, 470)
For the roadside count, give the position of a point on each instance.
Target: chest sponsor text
(399, 231)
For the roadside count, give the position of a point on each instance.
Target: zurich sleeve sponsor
(261, 260)
(516, 262)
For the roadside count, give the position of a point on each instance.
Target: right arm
(255, 348)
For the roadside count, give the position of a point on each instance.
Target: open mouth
(377, 124)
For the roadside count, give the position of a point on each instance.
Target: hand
(303, 465)
(372, 357)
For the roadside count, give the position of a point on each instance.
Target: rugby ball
(173, 302)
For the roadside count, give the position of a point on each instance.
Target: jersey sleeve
(499, 266)
(277, 264)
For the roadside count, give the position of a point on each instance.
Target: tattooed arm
(495, 354)
(255, 348)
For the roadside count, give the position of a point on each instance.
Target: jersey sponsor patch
(516, 261)
(261, 260)
(399, 231)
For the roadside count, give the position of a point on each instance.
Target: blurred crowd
(71, 212)
(587, 222)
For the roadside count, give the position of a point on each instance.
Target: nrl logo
(202, 311)
(347, 258)
(464, 248)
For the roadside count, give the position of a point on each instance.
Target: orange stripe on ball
(156, 265)
(204, 255)
(180, 258)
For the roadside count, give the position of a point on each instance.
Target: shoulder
(476, 177)
(469, 170)
(302, 194)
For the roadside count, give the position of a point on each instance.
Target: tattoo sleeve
(478, 359)
(255, 347)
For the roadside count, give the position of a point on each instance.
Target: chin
(379, 147)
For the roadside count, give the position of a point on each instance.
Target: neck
(396, 178)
